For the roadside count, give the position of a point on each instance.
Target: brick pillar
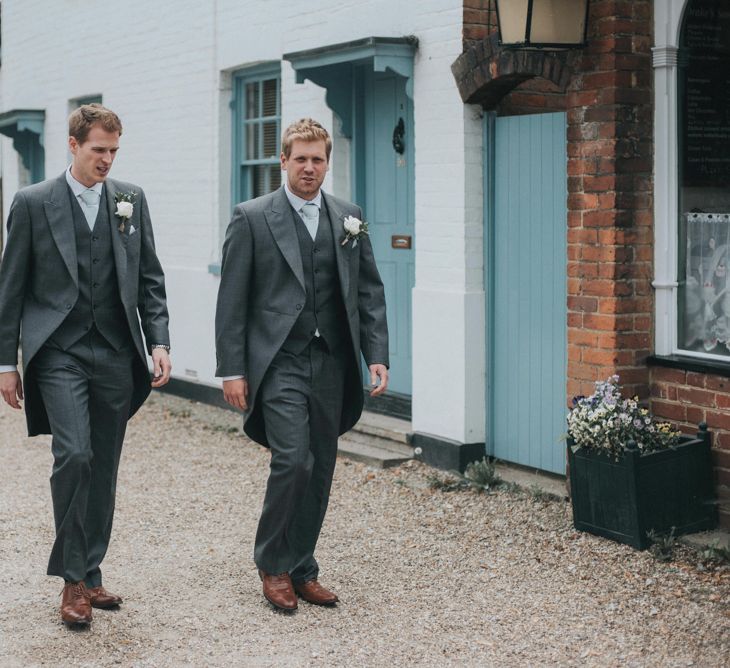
(480, 18)
(610, 152)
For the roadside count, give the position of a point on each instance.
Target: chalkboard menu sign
(705, 84)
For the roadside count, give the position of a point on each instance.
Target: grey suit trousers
(301, 399)
(87, 391)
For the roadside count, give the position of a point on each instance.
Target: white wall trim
(667, 23)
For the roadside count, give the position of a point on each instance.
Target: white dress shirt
(298, 202)
(78, 189)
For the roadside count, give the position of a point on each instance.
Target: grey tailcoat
(262, 292)
(39, 281)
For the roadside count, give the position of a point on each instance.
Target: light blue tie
(90, 206)
(310, 216)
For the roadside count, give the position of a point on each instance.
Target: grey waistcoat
(98, 302)
(323, 308)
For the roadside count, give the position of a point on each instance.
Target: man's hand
(378, 371)
(161, 367)
(235, 392)
(11, 387)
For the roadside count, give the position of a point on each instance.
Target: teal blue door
(384, 187)
(526, 275)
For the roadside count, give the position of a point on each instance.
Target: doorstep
(378, 440)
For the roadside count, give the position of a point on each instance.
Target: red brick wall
(479, 20)
(687, 398)
(610, 163)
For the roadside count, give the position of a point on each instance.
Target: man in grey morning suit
(300, 298)
(79, 264)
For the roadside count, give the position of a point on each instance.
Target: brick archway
(486, 72)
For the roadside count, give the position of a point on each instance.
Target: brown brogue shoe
(75, 604)
(313, 592)
(101, 598)
(278, 591)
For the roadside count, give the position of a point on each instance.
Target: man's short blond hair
(305, 129)
(87, 116)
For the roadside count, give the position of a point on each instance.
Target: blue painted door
(384, 187)
(526, 207)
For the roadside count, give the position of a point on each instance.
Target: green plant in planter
(608, 422)
(630, 475)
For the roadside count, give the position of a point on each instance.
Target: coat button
(68, 307)
(95, 260)
(299, 307)
(95, 238)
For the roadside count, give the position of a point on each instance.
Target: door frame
(488, 161)
(358, 170)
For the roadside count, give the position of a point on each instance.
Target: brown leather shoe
(278, 591)
(75, 605)
(313, 592)
(101, 598)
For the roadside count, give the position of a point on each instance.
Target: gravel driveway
(427, 577)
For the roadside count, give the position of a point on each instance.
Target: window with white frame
(257, 131)
(703, 86)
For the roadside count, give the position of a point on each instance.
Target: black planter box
(624, 499)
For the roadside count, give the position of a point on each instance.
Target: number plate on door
(400, 241)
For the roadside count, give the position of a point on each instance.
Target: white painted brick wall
(166, 67)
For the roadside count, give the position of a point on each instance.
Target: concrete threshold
(528, 479)
(378, 440)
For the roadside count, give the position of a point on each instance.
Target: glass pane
(260, 180)
(275, 177)
(252, 141)
(558, 21)
(512, 20)
(252, 100)
(266, 178)
(270, 94)
(704, 195)
(271, 139)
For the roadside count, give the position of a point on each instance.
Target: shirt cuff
(5, 368)
(232, 378)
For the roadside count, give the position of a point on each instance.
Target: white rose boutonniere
(125, 207)
(355, 230)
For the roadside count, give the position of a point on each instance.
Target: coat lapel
(120, 253)
(60, 220)
(278, 218)
(342, 253)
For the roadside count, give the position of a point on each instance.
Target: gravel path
(427, 577)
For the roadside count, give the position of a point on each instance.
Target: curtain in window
(706, 323)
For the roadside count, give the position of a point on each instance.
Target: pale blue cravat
(310, 216)
(90, 206)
